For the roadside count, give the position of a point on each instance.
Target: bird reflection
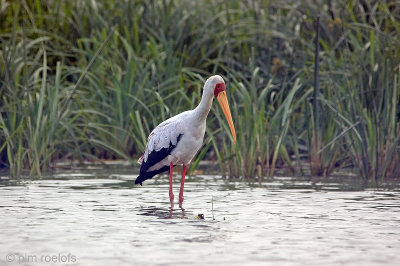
(162, 213)
(172, 214)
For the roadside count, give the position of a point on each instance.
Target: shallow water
(97, 217)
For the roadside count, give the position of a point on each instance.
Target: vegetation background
(88, 80)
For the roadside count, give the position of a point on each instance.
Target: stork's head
(216, 85)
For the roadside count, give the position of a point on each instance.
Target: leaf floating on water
(199, 216)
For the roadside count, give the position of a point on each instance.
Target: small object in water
(199, 216)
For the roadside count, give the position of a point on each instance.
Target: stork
(177, 140)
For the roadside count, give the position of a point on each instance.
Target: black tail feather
(153, 158)
(147, 175)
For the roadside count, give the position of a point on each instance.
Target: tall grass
(364, 78)
(154, 66)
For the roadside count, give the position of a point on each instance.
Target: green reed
(152, 57)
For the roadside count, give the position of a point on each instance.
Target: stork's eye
(218, 88)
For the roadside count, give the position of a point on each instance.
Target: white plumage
(167, 133)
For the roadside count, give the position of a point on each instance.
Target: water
(97, 217)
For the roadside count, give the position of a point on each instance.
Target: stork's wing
(164, 137)
(161, 142)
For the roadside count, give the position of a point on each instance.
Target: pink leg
(182, 185)
(171, 194)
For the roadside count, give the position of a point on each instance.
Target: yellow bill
(223, 102)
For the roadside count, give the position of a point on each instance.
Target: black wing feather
(153, 158)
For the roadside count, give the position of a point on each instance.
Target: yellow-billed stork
(177, 140)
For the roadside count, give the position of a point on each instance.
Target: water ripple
(105, 219)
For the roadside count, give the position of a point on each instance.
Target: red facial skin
(218, 88)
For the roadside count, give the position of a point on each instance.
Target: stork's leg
(182, 185)
(171, 194)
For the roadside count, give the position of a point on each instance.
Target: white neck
(204, 107)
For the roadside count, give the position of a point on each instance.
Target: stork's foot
(171, 194)
(180, 201)
(182, 185)
(171, 199)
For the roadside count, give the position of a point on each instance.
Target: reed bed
(88, 80)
